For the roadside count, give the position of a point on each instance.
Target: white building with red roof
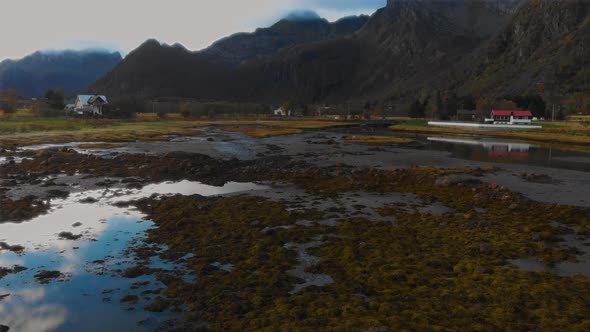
(512, 117)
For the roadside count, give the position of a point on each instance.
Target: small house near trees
(512, 117)
(282, 111)
(90, 105)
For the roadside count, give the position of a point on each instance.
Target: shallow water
(6, 160)
(492, 149)
(566, 268)
(507, 151)
(77, 303)
(76, 147)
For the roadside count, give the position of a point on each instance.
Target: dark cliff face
(40, 71)
(401, 45)
(545, 42)
(538, 23)
(218, 72)
(241, 47)
(154, 69)
(410, 47)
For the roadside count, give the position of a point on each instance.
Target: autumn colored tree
(185, 109)
(8, 100)
(484, 105)
(286, 106)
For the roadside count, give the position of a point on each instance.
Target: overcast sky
(30, 25)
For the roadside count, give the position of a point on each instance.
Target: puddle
(6, 160)
(566, 268)
(506, 151)
(88, 263)
(76, 147)
(307, 261)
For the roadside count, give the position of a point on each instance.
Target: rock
(4, 328)
(513, 206)
(44, 153)
(460, 181)
(378, 329)
(44, 277)
(266, 231)
(167, 278)
(55, 193)
(15, 248)
(77, 224)
(479, 197)
(158, 305)
(485, 248)
(131, 299)
(88, 200)
(69, 236)
(134, 272)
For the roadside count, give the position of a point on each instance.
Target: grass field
(377, 140)
(25, 131)
(261, 129)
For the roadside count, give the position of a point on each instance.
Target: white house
(516, 117)
(282, 112)
(90, 104)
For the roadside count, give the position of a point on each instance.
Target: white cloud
(30, 25)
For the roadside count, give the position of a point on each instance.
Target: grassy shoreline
(28, 131)
(377, 140)
(550, 134)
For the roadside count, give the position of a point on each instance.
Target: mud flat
(307, 232)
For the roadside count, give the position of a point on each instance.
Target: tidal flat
(310, 231)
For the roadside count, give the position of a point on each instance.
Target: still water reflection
(504, 151)
(87, 296)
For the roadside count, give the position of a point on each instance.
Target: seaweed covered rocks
(427, 270)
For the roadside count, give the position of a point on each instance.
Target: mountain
(34, 74)
(302, 15)
(296, 28)
(404, 46)
(545, 45)
(154, 69)
(406, 50)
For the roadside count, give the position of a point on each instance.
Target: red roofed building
(516, 117)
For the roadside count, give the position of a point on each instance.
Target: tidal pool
(507, 151)
(86, 297)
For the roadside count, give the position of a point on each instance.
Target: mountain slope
(547, 43)
(33, 75)
(290, 31)
(409, 49)
(214, 73)
(402, 46)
